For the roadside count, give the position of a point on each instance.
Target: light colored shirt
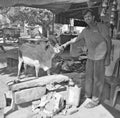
(95, 40)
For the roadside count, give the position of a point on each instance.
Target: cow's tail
(20, 61)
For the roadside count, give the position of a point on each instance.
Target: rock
(28, 95)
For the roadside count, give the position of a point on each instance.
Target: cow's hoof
(26, 76)
(13, 82)
(16, 81)
(36, 77)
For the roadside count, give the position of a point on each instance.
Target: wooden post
(53, 23)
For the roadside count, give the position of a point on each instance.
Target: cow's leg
(37, 70)
(25, 69)
(19, 68)
(48, 72)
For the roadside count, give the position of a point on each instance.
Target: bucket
(74, 94)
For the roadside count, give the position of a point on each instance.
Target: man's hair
(88, 10)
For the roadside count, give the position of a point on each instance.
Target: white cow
(38, 56)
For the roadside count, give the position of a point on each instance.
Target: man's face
(88, 18)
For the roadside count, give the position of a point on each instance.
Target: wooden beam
(41, 81)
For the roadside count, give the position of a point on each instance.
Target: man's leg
(89, 78)
(98, 83)
(99, 72)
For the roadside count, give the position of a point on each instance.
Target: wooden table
(30, 40)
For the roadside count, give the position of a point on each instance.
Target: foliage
(31, 16)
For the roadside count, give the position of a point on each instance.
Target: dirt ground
(8, 74)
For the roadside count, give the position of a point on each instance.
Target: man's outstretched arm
(73, 40)
(69, 42)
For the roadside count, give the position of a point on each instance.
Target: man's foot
(92, 104)
(16, 81)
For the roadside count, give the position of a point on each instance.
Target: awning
(55, 6)
(64, 9)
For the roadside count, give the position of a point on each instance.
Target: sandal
(91, 104)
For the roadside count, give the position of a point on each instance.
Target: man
(98, 42)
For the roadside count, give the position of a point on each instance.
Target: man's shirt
(95, 40)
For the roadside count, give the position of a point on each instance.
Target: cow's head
(53, 40)
(53, 49)
(53, 43)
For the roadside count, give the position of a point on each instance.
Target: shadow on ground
(8, 71)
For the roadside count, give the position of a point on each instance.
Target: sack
(55, 104)
(50, 104)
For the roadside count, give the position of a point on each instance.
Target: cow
(37, 55)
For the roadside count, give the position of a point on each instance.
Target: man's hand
(62, 47)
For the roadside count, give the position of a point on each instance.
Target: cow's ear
(46, 41)
(47, 46)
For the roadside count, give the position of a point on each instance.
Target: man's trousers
(94, 83)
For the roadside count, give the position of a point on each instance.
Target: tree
(33, 16)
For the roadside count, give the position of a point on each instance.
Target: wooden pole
(53, 23)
